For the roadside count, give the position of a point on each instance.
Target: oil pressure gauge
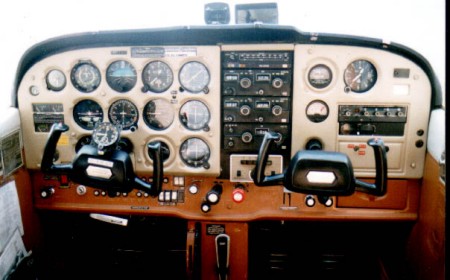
(317, 111)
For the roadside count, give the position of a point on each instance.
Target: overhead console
(205, 98)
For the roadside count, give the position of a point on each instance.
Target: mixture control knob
(245, 110)
(277, 83)
(213, 196)
(310, 201)
(205, 207)
(245, 82)
(246, 137)
(47, 192)
(277, 110)
(238, 194)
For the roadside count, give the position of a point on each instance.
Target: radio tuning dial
(246, 137)
(245, 110)
(277, 110)
(245, 82)
(277, 83)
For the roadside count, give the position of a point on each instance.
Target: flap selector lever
(223, 255)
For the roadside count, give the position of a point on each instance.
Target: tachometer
(360, 76)
(121, 76)
(194, 115)
(87, 113)
(194, 77)
(85, 76)
(157, 77)
(195, 152)
(125, 113)
(159, 114)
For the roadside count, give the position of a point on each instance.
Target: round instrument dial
(85, 76)
(194, 77)
(195, 152)
(320, 76)
(159, 114)
(157, 76)
(360, 76)
(317, 111)
(56, 80)
(123, 112)
(105, 134)
(121, 76)
(87, 113)
(194, 115)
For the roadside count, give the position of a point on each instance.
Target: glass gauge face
(56, 80)
(194, 77)
(159, 114)
(194, 115)
(87, 113)
(105, 134)
(195, 152)
(121, 76)
(360, 76)
(320, 76)
(123, 112)
(85, 77)
(157, 76)
(317, 111)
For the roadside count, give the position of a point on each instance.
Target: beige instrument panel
(411, 92)
(34, 93)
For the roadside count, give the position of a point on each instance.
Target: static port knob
(246, 137)
(245, 110)
(245, 82)
(47, 192)
(213, 196)
(277, 83)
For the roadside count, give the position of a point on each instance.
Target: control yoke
(112, 171)
(320, 172)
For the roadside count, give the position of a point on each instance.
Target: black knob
(277, 110)
(213, 196)
(314, 144)
(277, 83)
(245, 82)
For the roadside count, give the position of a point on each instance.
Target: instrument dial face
(360, 76)
(159, 114)
(157, 76)
(123, 112)
(195, 152)
(85, 77)
(317, 111)
(87, 113)
(320, 76)
(56, 80)
(194, 77)
(121, 76)
(105, 134)
(194, 115)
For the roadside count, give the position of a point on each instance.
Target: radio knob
(277, 83)
(246, 137)
(277, 110)
(245, 82)
(245, 110)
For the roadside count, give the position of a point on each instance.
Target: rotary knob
(246, 137)
(245, 110)
(245, 82)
